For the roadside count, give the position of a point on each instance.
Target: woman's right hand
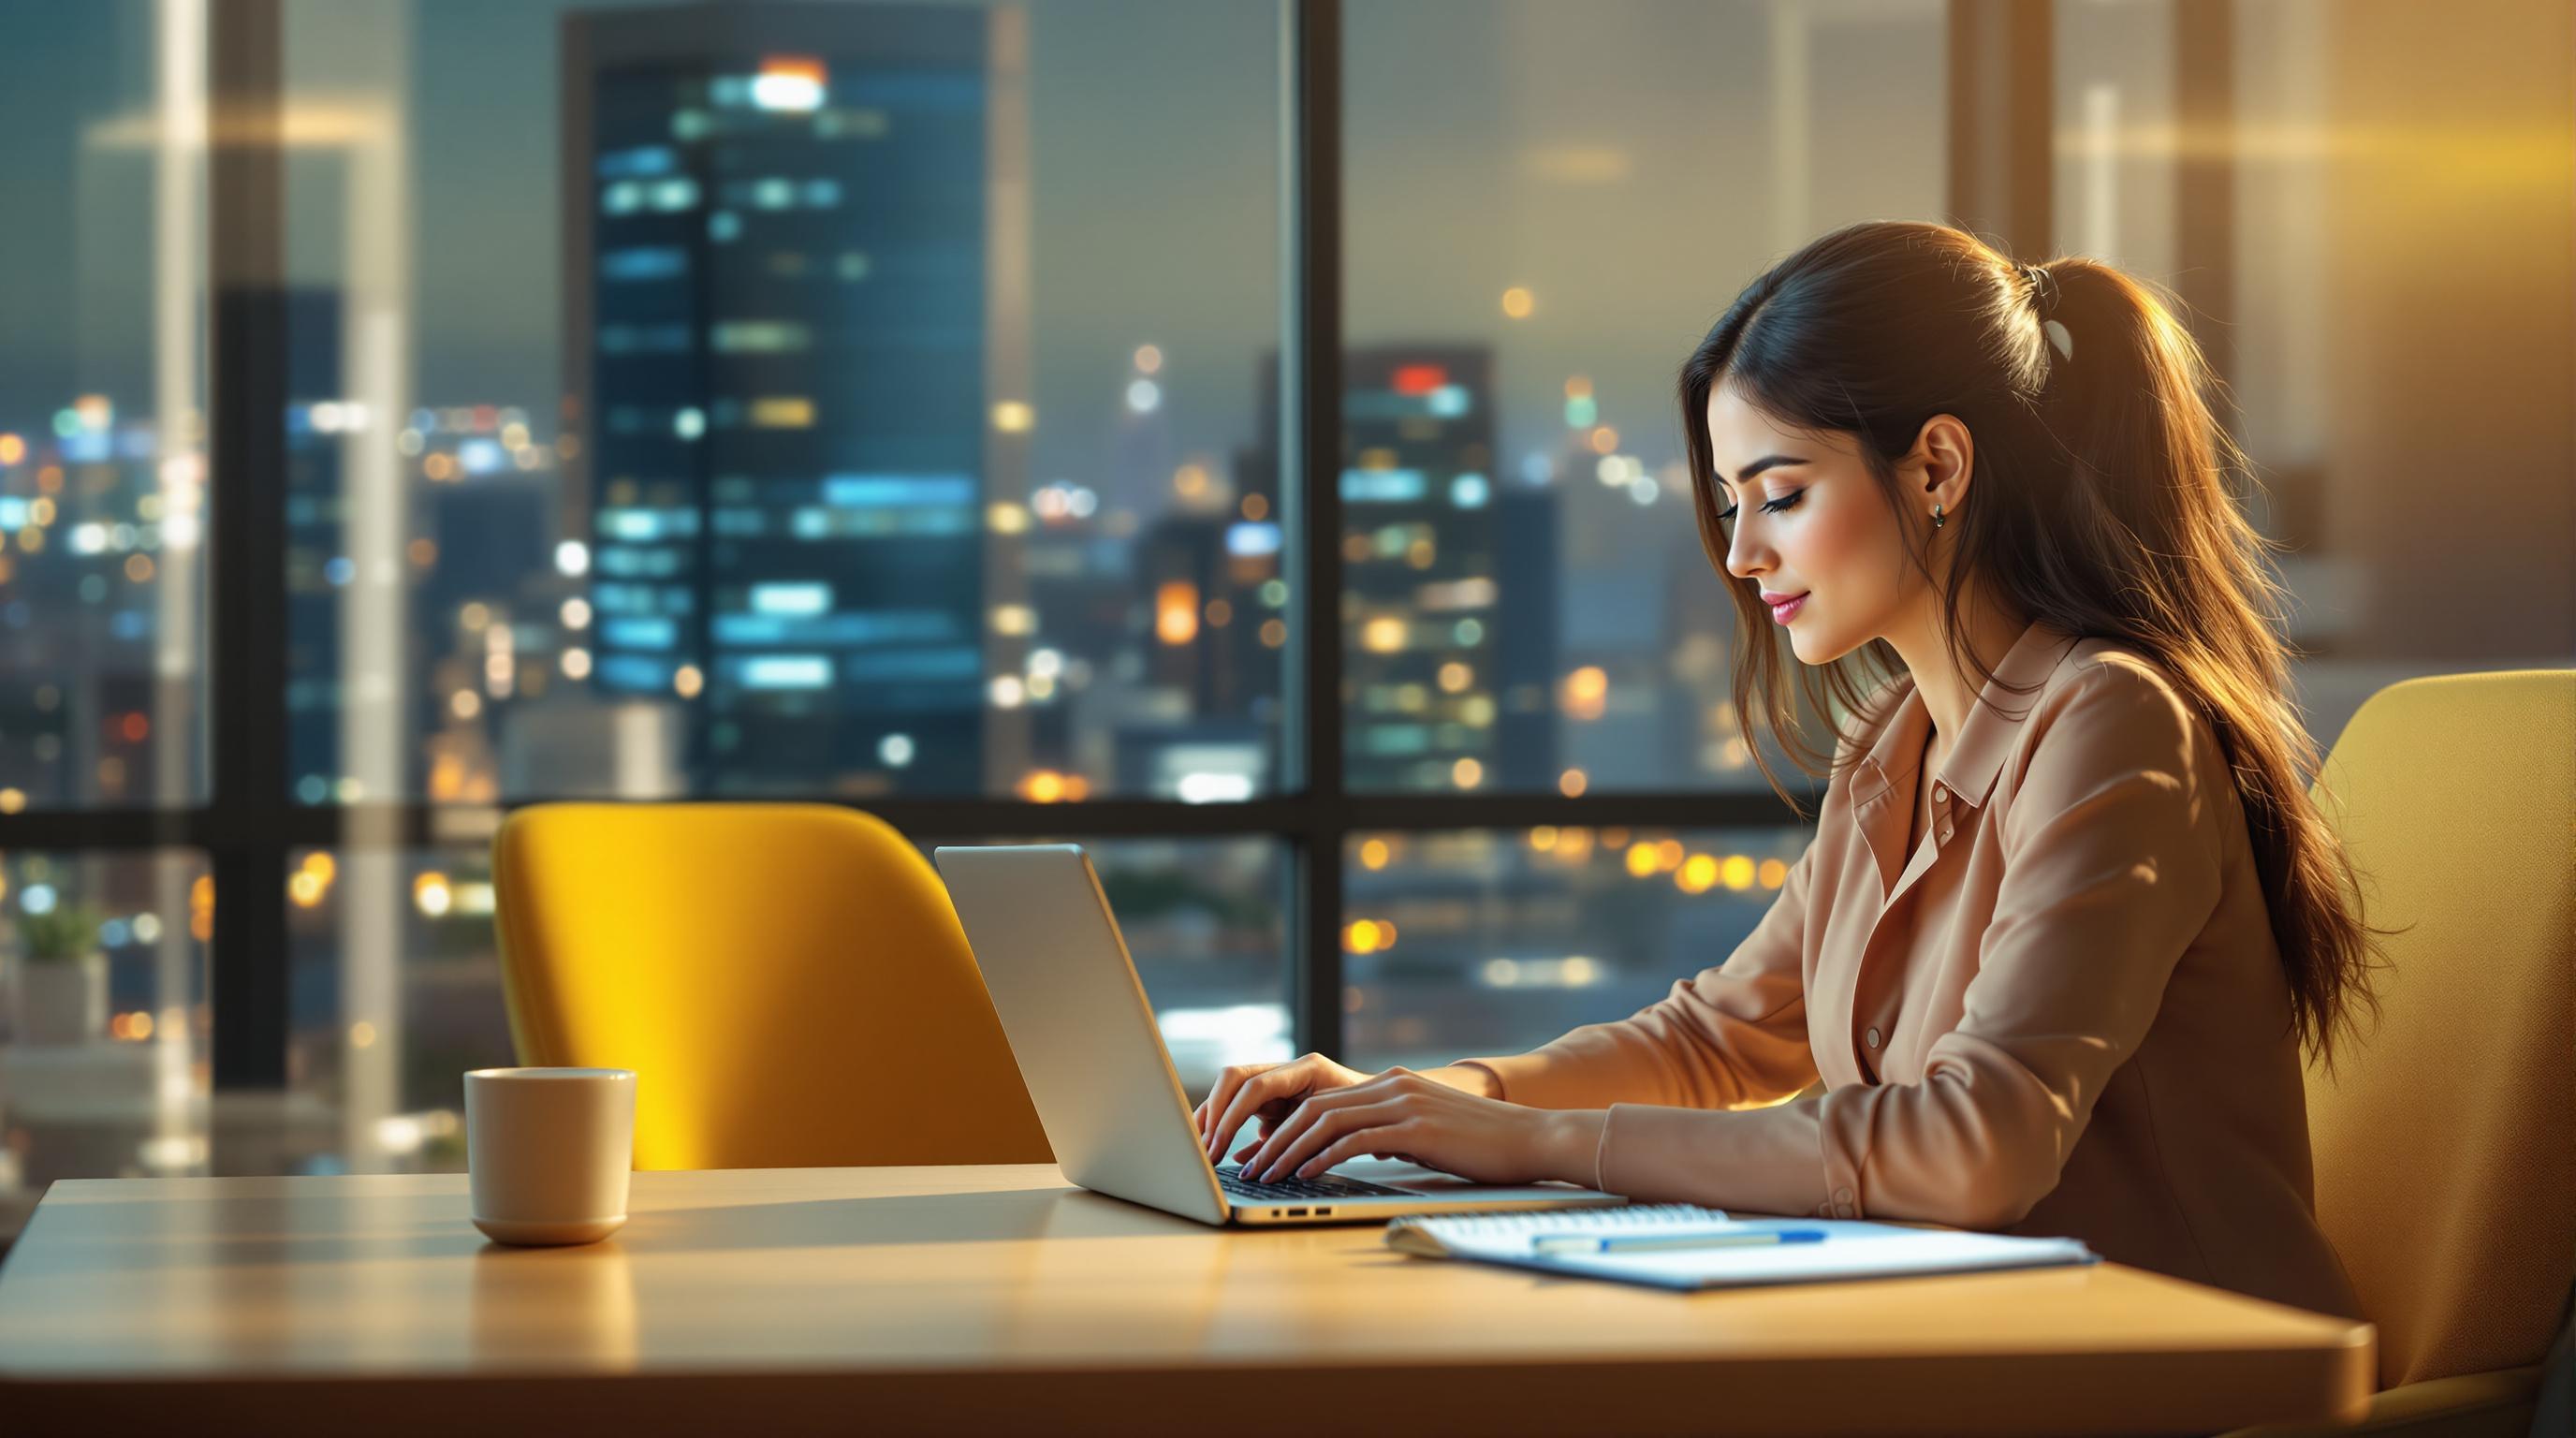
(1270, 1092)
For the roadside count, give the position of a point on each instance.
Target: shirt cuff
(1599, 1148)
(1765, 1160)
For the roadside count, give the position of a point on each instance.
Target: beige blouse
(2062, 1013)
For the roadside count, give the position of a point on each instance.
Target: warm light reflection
(1368, 936)
(1585, 693)
(1176, 612)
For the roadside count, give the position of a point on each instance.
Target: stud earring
(1936, 516)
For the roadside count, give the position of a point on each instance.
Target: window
(2260, 162)
(836, 402)
(1235, 433)
(1548, 205)
(102, 394)
(105, 1071)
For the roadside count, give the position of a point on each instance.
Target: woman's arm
(1734, 1034)
(2112, 867)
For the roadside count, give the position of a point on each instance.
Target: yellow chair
(2446, 1147)
(788, 982)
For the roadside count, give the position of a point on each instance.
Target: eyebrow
(1767, 461)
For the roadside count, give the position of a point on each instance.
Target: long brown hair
(2106, 508)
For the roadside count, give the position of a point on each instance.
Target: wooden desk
(984, 1299)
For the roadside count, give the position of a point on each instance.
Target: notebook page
(1852, 1249)
(1482, 1234)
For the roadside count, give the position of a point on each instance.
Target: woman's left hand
(1403, 1115)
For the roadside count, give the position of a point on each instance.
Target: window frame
(250, 826)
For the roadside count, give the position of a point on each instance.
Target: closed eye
(1785, 501)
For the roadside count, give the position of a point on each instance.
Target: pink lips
(1785, 610)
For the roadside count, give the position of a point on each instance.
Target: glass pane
(782, 398)
(1463, 943)
(396, 981)
(102, 394)
(104, 1069)
(1528, 604)
(2116, 200)
(2305, 203)
(395, 978)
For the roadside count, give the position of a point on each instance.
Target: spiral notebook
(1851, 1249)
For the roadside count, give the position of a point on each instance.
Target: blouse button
(1873, 1036)
(1940, 792)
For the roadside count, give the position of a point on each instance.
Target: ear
(1941, 464)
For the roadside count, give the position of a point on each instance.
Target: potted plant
(62, 977)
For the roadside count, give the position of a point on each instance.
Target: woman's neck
(1948, 690)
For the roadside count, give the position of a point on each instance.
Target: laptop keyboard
(1327, 1186)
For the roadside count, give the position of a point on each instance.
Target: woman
(2069, 917)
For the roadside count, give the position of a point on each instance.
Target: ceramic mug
(547, 1152)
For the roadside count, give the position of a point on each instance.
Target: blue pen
(1648, 1242)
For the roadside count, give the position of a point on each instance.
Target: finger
(1227, 1104)
(1207, 1109)
(1352, 1145)
(1212, 1105)
(1291, 1149)
(1310, 1107)
(1251, 1096)
(1241, 1104)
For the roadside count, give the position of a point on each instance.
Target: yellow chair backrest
(2444, 1155)
(788, 982)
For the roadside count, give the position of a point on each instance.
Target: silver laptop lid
(1079, 1024)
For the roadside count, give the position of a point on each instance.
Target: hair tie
(2043, 301)
(2043, 288)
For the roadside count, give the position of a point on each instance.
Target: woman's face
(1806, 518)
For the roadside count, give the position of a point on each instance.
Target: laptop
(1103, 1083)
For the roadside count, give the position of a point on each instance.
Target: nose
(1744, 556)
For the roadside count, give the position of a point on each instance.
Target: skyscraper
(781, 253)
(1449, 584)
